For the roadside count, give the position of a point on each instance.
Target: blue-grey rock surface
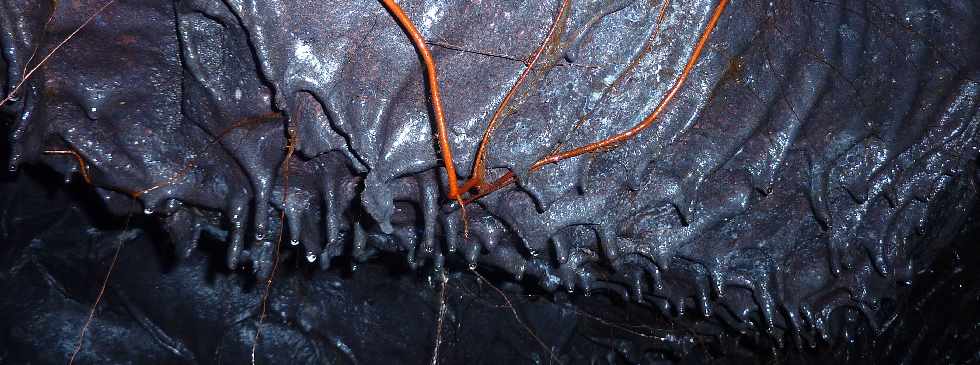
(819, 160)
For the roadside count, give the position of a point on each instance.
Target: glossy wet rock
(818, 158)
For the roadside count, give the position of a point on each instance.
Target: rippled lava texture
(799, 199)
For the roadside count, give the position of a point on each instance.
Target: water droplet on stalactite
(147, 211)
(310, 257)
(294, 242)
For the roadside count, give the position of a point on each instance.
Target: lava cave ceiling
(490, 181)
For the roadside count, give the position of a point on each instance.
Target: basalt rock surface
(818, 161)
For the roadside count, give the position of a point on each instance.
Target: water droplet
(294, 242)
(147, 211)
(310, 257)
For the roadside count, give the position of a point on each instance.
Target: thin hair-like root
(290, 149)
(105, 283)
(444, 280)
(517, 317)
(55, 49)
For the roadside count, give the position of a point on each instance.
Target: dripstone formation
(819, 156)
